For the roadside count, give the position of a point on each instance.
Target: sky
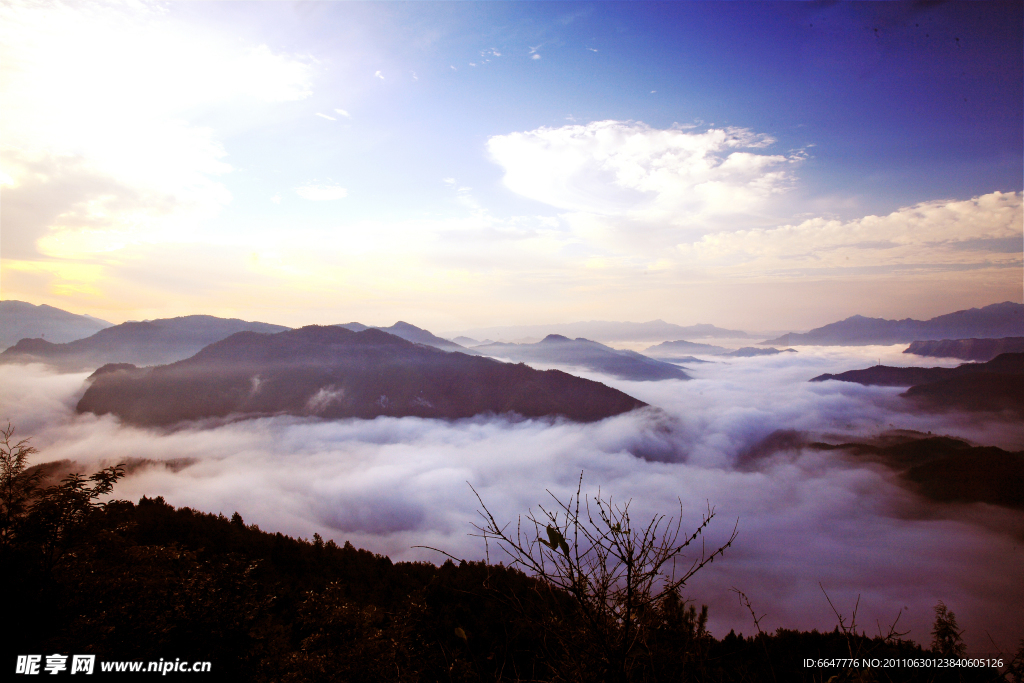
(772, 165)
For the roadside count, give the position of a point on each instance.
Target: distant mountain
(584, 353)
(655, 330)
(997, 385)
(467, 342)
(998, 320)
(672, 350)
(140, 343)
(750, 352)
(967, 349)
(21, 320)
(332, 372)
(411, 333)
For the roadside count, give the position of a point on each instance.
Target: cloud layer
(804, 516)
(625, 168)
(984, 232)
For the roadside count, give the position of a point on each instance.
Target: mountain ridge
(588, 354)
(139, 343)
(21, 320)
(994, 386)
(1004, 319)
(604, 331)
(334, 373)
(967, 349)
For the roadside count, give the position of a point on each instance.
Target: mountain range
(584, 353)
(21, 320)
(967, 349)
(672, 350)
(604, 331)
(998, 320)
(333, 372)
(141, 343)
(997, 385)
(411, 333)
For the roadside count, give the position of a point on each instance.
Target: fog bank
(804, 516)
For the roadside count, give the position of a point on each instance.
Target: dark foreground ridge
(332, 372)
(995, 386)
(146, 581)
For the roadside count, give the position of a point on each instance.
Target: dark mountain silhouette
(21, 320)
(654, 330)
(587, 354)
(997, 385)
(967, 349)
(332, 372)
(948, 470)
(673, 350)
(140, 343)
(944, 469)
(998, 320)
(411, 333)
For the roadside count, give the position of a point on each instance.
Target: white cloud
(344, 113)
(379, 75)
(535, 56)
(329, 118)
(805, 516)
(321, 193)
(939, 235)
(630, 170)
(276, 199)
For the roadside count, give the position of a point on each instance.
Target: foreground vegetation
(147, 581)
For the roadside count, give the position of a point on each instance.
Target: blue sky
(758, 165)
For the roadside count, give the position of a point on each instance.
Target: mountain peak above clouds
(140, 343)
(556, 349)
(334, 373)
(605, 331)
(1004, 319)
(22, 320)
(411, 333)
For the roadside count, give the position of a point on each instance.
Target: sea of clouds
(809, 521)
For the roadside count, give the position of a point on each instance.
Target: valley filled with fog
(734, 437)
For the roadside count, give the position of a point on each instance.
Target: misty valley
(856, 478)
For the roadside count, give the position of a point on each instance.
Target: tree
(946, 633)
(612, 586)
(17, 486)
(45, 521)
